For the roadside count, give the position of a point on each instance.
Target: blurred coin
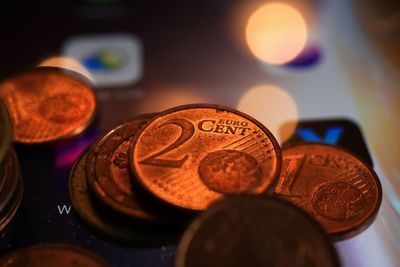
(5, 131)
(107, 170)
(85, 207)
(47, 104)
(52, 255)
(255, 231)
(12, 191)
(335, 186)
(190, 156)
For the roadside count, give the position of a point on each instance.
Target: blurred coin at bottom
(254, 231)
(52, 255)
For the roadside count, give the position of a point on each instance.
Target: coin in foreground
(255, 231)
(47, 104)
(52, 255)
(333, 185)
(84, 205)
(192, 155)
(107, 170)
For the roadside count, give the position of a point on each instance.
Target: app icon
(112, 59)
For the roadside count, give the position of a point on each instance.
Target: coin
(334, 185)
(5, 131)
(85, 207)
(47, 104)
(11, 192)
(255, 231)
(192, 155)
(107, 170)
(50, 255)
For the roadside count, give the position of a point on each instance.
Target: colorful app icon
(112, 59)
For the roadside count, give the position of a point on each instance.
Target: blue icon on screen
(102, 60)
(332, 135)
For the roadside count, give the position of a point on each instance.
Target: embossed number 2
(187, 132)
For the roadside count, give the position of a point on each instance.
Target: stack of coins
(100, 190)
(51, 255)
(11, 186)
(5, 134)
(175, 166)
(186, 158)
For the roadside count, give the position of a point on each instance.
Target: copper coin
(47, 104)
(11, 192)
(192, 155)
(335, 186)
(107, 170)
(85, 207)
(51, 255)
(255, 231)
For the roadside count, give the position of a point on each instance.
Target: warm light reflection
(166, 97)
(276, 33)
(273, 107)
(66, 63)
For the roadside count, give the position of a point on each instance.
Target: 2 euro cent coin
(193, 155)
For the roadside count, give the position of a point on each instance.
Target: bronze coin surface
(192, 155)
(10, 194)
(255, 231)
(51, 255)
(335, 186)
(107, 170)
(91, 214)
(12, 190)
(212, 171)
(47, 104)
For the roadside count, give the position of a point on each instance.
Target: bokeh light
(276, 33)
(273, 107)
(66, 63)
